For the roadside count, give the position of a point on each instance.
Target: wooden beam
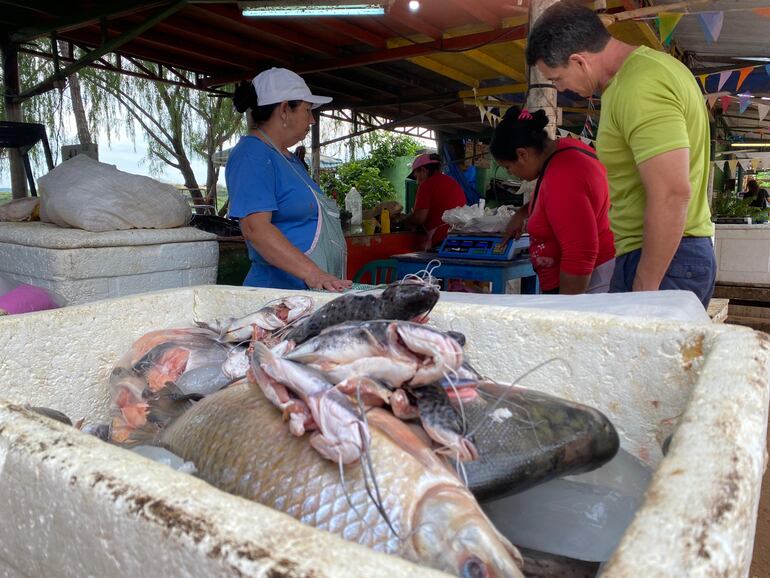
(415, 23)
(444, 70)
(644, 26)
(456, 44)
(213, 14)
(474, 8)
(491, 62)
(494, 90)
(355, 32)
(109, 46)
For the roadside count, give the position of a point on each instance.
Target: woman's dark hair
(752, 187)
(434, 168)
(518, 130)
(245, 98)
(565, 28)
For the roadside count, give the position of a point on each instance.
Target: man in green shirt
(654, 140)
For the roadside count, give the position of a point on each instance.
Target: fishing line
(378, 502)
(500, 398)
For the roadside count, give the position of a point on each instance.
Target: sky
(129, 156)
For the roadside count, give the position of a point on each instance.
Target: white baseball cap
(279, 85)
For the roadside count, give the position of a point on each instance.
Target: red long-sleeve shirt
(568, 226)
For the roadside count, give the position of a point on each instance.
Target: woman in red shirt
(570, 242)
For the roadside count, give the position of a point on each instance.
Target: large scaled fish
(407, 301)
(525, 437)
(239, 444)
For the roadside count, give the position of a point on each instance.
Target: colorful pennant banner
(742, 76)
(667, 21)
(744, 100)
(762, 109)
(712, 25)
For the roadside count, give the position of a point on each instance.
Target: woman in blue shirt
(292, 229)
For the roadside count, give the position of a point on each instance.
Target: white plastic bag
(86, 194)
(477, 219)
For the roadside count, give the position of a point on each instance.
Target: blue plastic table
(498, 272)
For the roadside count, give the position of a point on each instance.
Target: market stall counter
(363, 249)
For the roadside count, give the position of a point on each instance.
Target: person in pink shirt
(571, 245)
(436, 193)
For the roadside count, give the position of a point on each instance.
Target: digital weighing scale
(482, 247)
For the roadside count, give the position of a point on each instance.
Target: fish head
(451, 533)
(298, 306)
(409, 300)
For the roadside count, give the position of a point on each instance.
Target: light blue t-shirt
(258, 180)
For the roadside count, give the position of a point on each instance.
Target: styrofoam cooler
(74, 506)
(82, 266)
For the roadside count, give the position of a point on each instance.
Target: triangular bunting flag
(744, 100)
(762, 11)
(667, 21)
(745, 164)
(723, 76)
(585, 140)
(767, 68)
(733, 165)
(703, 78)
(762, 109)
(725, 102)
(742, 76)
(711, 99)
(717, 167)
(712, 25)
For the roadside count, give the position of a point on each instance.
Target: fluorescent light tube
(314, 10)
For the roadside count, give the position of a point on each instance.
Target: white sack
(86, 194)
(18, 209)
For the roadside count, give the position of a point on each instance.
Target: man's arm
(666, 181)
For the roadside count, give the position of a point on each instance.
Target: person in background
(570, 242)
(436, 193)
(292, 229)
(300, 152)
(760, 201)
(752, 188)
(653, 139)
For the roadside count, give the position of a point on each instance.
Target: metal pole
(13, 113)
(315, 147)
(542, 92)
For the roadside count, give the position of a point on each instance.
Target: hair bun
(512, 113)
(540, 118)
(244, 97)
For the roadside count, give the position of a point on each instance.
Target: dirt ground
(760, 564)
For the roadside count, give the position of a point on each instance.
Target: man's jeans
(693, 268)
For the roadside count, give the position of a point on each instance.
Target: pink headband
(524, 115)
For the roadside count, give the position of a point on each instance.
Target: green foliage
(374, 188)
(729, 205)
(385, 147)
(366, 174)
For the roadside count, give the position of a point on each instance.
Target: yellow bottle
(385, 222)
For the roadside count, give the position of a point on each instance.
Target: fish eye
(474, 568)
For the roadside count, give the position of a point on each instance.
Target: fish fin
(260, 352)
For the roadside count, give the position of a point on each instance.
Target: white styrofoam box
(82, 266)
(74, 506)
(743, 253)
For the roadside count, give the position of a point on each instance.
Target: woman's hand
(515, 226)
(320, 279)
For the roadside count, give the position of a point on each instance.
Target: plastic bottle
(353, 206)
(385, 222)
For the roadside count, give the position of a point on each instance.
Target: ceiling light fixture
(414, 5)
(277, 8)
(744, 145)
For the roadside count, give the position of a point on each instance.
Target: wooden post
(542, 92)
(13, 113)
(315, 147)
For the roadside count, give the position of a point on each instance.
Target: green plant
(729, 205)
(366, 174)
(374, 188)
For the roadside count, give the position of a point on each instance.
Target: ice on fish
(165, 457)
